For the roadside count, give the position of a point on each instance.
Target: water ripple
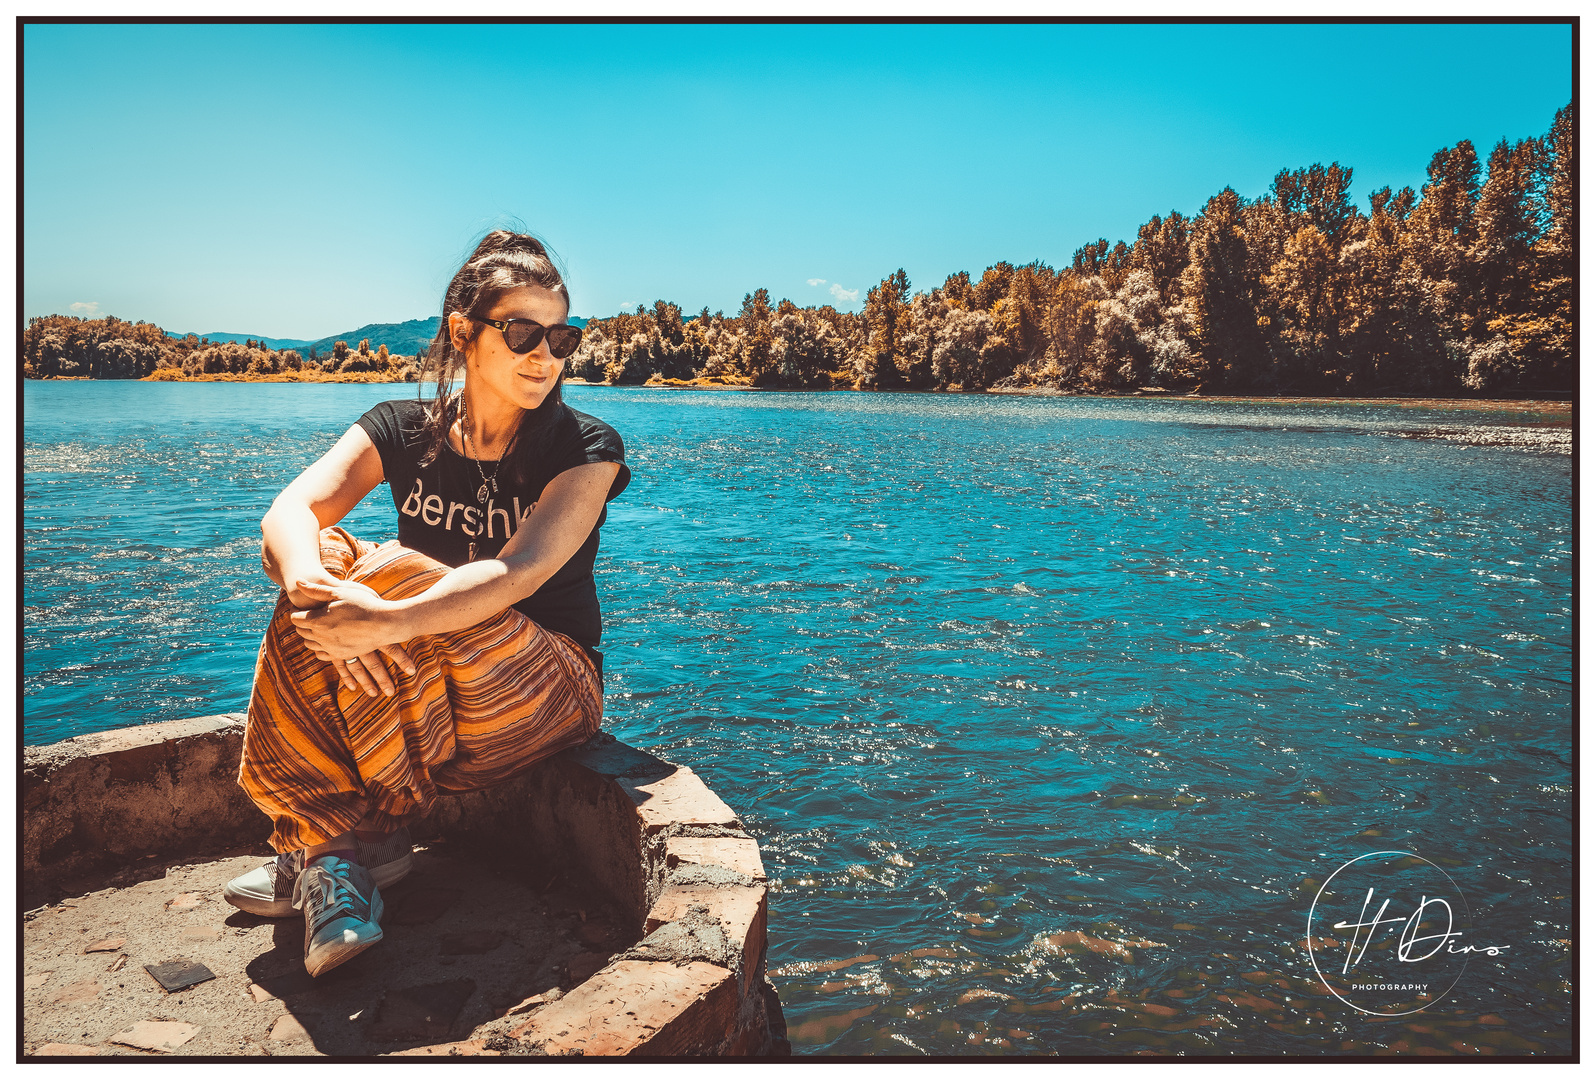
(1043, 709)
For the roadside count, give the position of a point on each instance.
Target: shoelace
(286, 871)
(328, 893)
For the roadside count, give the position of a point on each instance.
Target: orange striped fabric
(485, 704)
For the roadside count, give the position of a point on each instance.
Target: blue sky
(297, 181)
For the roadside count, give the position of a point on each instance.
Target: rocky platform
(606, 903)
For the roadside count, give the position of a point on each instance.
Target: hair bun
(504, 240)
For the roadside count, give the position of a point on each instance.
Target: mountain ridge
(404, 338)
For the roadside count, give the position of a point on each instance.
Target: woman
(460, 654)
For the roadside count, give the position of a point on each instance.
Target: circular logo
(1386, 933)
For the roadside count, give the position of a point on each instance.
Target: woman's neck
(487, 428)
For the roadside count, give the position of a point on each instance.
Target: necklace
(488, 482)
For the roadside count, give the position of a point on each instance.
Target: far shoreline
(1551, 412)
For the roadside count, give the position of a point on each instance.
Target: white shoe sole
(387, 874)
(331, 955)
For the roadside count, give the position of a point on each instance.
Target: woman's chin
(533, 394)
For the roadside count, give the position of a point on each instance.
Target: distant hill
(405, 338)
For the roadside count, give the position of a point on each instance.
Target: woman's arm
(356, 621)
(320, 496)
(291, 546)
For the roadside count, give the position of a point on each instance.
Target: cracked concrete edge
(175, 783)
(709, 917)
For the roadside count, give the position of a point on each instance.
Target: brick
(528, 1004)
(736, 853)
(679, 797)
(156, 1034)
(740, 911)
(289, 1028)
(87, 990)
(185, 902)
(639, 1007)
(467, 1048)
(420, 1012)
(201, 933)
(584, 965)
(110, 944)
(66, 1050)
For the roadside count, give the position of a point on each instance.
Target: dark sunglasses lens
(563, 340)
(523, 337)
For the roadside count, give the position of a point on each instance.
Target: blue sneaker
(342, 909)
(268, 890)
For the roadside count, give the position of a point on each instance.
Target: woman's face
(498, 377)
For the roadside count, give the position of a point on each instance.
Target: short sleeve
(382, 423)
(596, 441)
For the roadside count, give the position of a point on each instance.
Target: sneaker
(268, 891)
(342, 909)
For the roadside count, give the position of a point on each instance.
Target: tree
(1306, 289)
(1069, 326)
(1220, 297)
(885, 314)
(1090, 258)
(756, 359)
(1163, 249)
(1316, 196)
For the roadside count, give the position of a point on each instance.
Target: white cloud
(847, 296)
(87, 307)
(817, 281)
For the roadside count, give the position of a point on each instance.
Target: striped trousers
(486, 703)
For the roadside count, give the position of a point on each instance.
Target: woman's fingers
(369, 673)
(398, 655)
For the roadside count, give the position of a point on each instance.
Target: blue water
(978, 671)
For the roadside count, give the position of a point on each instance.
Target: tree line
(65, 346)
(1465, 286)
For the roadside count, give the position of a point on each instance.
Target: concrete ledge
(644, 833)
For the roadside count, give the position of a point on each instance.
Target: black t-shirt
(439, 514)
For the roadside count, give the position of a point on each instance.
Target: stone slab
(179, 974)
(289, 1028)
(86, 990)
(66, 1050)
(165, 1035)
(639, 1007)
(677, 798)
(740, 911)
(736, 853)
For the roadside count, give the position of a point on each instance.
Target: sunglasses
(523, 335)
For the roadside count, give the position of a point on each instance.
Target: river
(1051, 715)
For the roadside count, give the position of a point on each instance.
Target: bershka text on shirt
(430, 509)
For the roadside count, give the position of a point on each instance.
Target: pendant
(471, 552)
(482, 493)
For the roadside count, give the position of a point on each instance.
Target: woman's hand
(303, 600)
(353, 630)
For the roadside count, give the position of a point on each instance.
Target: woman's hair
(503, 261)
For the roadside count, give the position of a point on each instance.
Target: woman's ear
(459, 331)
